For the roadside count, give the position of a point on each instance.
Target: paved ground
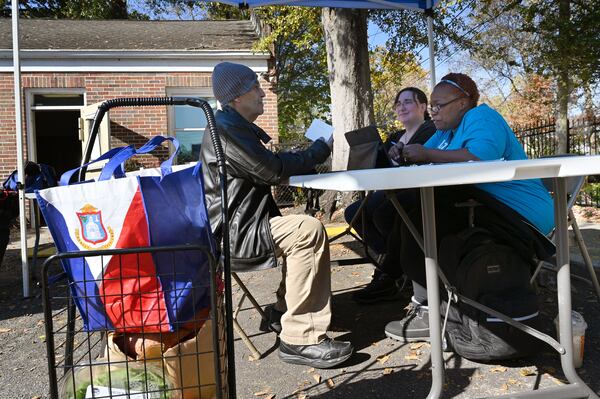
(381, 368)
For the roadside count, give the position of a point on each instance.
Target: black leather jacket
(251, 171)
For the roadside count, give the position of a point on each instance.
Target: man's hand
(395, 152)
(328, 142)
(415, 153)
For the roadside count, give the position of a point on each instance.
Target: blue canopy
(373, 4)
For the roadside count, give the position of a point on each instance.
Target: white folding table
(426, 177)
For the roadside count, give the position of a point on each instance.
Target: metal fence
(295, 196)
(583, 138)
(538, 139)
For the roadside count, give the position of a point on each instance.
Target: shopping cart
(194, 360)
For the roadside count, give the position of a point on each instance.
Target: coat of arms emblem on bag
(92, 229)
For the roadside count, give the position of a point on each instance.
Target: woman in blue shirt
(465, 132)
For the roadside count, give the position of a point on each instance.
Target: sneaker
(413, 327)
(381, 288)
(326, 354)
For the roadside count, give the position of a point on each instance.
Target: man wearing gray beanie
(258, 233)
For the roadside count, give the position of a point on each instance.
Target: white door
(102, 142)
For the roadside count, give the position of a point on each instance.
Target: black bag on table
(366, 149)
(492, 273)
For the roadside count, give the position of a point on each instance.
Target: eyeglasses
(436, 108)
(406, 103)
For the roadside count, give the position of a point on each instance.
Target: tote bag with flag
(140, 292)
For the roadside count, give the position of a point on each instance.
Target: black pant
(449, 219)
(379, 222)
(503, 222)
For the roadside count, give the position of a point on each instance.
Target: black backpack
(492, 273)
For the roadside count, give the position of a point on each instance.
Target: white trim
(149, 54)
(133, 61)
(29, 109)
(56, 108)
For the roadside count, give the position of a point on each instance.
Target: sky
(376, 38)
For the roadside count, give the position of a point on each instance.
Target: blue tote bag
(156, 292)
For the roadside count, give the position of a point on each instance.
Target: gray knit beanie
(229, 81)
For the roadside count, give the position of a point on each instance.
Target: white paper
(317, 129)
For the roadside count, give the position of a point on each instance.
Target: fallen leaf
(270, 396)
(525, 372)
(330, 383)
(252, 358)
(418, 345)
(412, 356)
(383, 358)
(5, 330)
(512, 381)
(375, 344)
(316, 377)
(388, 371)
(301, 395)
(264, 392)
(558, 381)
(504, 387)
(355, 273)
(310, 370)
(498, 369)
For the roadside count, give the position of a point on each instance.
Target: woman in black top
(410, 106)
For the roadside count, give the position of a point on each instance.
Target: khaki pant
(305, 290)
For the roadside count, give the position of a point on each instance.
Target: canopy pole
(429, 13)
(19, 134)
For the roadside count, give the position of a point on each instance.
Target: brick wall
(128, 125)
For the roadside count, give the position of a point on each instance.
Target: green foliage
(297, 41)
(519, 39)
(407, 29)
(72, 9)
(590, 192)
(390, 72)
(194, 10)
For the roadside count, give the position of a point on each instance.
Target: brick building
(68, 66)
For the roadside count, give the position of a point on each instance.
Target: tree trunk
(588, 105)
(562, 114)
(563, 88)
(349, 76)
(118, 9)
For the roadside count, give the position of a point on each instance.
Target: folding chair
(236, 325)
(574, 185)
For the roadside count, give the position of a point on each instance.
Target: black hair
(418, 95)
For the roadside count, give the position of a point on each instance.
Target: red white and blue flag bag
(139, 292)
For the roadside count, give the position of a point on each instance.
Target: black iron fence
(583, 138)
(539, 139)
(294, 196)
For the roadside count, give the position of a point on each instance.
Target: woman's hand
(395, 152)
(415, 153)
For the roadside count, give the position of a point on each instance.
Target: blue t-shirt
(485, 134)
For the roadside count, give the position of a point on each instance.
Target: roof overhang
(130, 60)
